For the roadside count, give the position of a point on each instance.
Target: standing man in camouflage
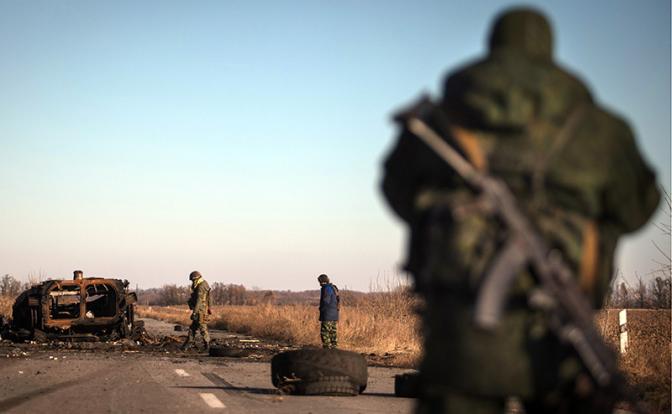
(199, 303)
(578, 177)
(329, 304)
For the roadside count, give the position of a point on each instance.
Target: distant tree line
(220, 294)
(11, 287)
(656, 294)
(234, 294)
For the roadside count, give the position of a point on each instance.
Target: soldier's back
(575, 171)
(571, 163)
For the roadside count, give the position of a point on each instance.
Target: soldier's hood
(196, 282)
(508, 90)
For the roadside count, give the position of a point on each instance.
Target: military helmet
(525, 30)
(323, 279)
(194, 275)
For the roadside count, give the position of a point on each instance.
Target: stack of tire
(319, 372)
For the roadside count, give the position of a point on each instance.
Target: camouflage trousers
(328, 333)
(198, 324)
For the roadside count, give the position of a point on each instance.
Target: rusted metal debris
(81, 309)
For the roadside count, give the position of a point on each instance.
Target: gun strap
(560, 140)
(590, 238)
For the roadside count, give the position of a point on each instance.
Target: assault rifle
(570, 315)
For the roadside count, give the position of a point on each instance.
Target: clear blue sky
(147, 139)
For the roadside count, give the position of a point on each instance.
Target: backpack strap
(588, 265)
(566, 132)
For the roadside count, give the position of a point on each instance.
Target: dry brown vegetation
(6, 303)
(386, 324)
(647, 360)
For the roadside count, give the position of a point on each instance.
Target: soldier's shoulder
(609, 124)
(507, 90)
(470, 70)
(611, 117)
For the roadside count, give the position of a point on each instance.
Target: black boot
(187, 343)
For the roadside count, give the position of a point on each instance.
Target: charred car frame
(81, 308)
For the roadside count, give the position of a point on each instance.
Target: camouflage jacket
(199, 302)
(583, 186)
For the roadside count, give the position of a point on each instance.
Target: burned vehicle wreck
(78, 309)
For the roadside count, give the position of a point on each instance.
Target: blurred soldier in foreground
(579, 181)
(199, 303)
(329, 306)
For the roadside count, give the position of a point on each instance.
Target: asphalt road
(38, 378)
(159, 378)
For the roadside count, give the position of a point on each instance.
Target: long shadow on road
(12, 402)
(250, 390)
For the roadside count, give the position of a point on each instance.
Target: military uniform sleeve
(399, 184)
(631, 196)
(202, 290)
(408, 169)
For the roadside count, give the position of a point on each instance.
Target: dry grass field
(647, 361)
(386, 326)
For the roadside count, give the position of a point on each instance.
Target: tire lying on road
(407, 385)
(319, 372)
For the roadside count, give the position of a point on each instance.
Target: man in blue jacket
(328, 312)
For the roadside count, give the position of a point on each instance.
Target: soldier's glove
(209, 311)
